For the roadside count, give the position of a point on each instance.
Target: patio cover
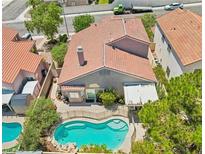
(29, 87)
(6, 98)
(20, 103)
(139, 94)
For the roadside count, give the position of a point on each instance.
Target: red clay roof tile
(97, 54)
(16, 56)
(183, 29)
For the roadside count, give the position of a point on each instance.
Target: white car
(174, 6)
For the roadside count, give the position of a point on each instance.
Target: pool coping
(12, 119)
(122, 147)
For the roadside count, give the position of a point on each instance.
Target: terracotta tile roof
(183, 29)
(98, 54)
(122, 61)
(16, 56)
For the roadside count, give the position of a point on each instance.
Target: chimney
(80, 56)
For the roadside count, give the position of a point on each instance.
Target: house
(178, 38)
(22, 70)
(109, 54)
(76, 2)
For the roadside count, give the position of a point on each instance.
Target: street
(19, 26)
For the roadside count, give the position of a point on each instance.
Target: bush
(160, 75)
(108, 98)
(94, 149)
(144, 147)
(149, 20)
(63, 38)
(82, 22)
(58, 53)
(41, 116)
(119, 98)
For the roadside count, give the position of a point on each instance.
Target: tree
(34, 3)
(82, 22)
(58, 53)
(149, 20)
(174, 122)
(45, 18)
(41, 115)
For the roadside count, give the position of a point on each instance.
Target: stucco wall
(192, 67)
(22, 75)
(132, 46)
(171, 59)
(75, 2)
(165, 57)
(105, 78)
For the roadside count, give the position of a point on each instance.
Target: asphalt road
(14, 9)
(21, 28)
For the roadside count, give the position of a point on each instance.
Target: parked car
(174, 6)
(26, 36)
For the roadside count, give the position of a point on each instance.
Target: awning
(139, 94)
(72, 88)
(6, 98)
(29, 87)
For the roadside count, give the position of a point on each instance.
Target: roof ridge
(124, 28)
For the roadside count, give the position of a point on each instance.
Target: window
(74, 95)
(169, 48)
(168, 71)
(163, 38)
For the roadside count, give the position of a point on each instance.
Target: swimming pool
(10, 131)
(111, 133)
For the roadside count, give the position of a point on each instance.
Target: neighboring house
(178, 38)
(76, 2)
(23, 71)
(109, 54)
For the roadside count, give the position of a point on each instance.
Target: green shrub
(63, 38)
(108, 98)
(82, 22)
(58, 53)
(95, 149)
(149, 20)
(119, 98)
(160, 75)
(144, 147)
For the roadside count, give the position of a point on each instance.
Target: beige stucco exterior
(106, 78)
(16, 85)
(169, 59)
(133, 46)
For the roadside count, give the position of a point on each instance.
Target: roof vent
(80, 53)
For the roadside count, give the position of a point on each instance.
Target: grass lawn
(103, 1)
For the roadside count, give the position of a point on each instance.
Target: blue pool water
(10, 131)
(111, 133)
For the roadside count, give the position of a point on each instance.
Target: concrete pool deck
(10, 119)
(124, 147)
